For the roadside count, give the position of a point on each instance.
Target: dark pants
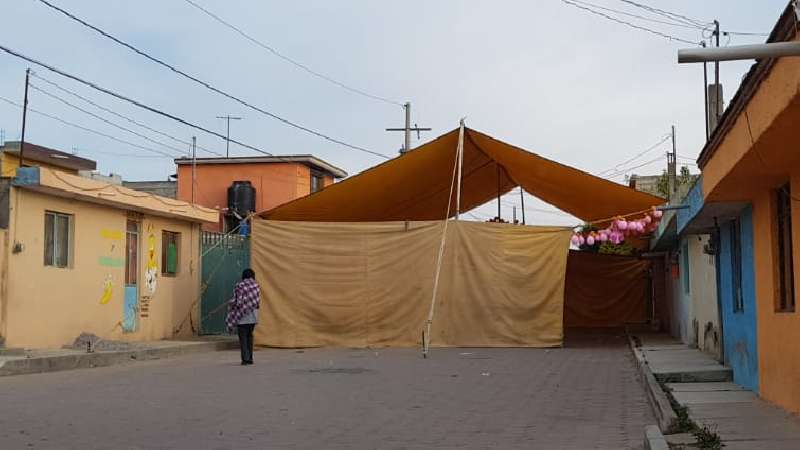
(246, 341)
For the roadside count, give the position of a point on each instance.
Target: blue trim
(693, 199)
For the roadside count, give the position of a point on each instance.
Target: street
(586, 395)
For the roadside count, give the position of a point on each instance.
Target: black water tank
(242, 198)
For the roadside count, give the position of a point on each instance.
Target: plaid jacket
(246, 297)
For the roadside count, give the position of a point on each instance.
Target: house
(166, 188)
(685, 275)
(273, 180)
(82, 255)
(748, 197)
(37, 155)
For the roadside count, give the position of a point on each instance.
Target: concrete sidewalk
(698, 382)
(21, 362)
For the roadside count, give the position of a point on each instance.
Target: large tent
(373, 260)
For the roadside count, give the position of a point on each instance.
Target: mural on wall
(151, 272)
(108, 290)
(110, 260)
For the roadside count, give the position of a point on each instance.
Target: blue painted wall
(739, 328)
(694, 201)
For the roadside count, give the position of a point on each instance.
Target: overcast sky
(542, 75)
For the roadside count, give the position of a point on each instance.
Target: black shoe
(244, 363)
(249, 363)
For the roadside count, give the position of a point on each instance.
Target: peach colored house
(80, 255)
(276, 179)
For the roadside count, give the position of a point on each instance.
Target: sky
(543, 75)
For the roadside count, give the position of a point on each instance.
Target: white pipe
(739, 52)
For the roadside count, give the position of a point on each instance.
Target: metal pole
(671, 170)
(522, 203)
(705, 95)
(514, 215)
(460, 162)
(24, 118)
(407, 107)
(228, 139)
(194, 165)
(739, 52)
(717, 100)
(498, 191)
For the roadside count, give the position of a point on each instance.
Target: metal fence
(224, 259)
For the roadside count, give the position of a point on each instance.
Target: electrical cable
(104, 120)
(623, 22)
(648, 19)
(208, 85)
(58, 119)
(638, 155)
(291, 61)
(127, 99)
(628, 169)
(670, 15)
(121, 116)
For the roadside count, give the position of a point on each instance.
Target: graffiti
(110, 261)
(144, 306)
(111, 234)
(151, 272)
(108, 290)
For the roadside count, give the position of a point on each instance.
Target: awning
(416, 186)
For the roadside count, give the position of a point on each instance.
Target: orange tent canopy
(416, 186)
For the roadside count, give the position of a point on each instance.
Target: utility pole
(228, 118)
(671, 167)
(407, 129)
(194, 165)
(24, 117)
(705, 94)
(522, 203)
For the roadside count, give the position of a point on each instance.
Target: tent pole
(522, 203)
(460, 162)
(498, 189)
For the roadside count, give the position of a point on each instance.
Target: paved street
(584, 396)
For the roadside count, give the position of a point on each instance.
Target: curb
(665, 415)
(24, 366)
(653, 439)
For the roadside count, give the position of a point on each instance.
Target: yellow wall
(10, 163)
(48, 307)
(3, 269)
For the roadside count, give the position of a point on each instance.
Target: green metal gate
(224, 259)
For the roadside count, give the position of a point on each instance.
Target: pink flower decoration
(590, 240)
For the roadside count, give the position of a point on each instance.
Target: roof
(54, 182)
(308, 160)
(784, 30)
(417, 184)
(50, 156)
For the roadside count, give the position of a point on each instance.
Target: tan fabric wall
(605, 290)
(370, 284)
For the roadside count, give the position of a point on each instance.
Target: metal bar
(522, 203)
(705, 95)
(739, 52)
(460, 162)
(24, 119)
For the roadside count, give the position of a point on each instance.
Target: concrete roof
(308, 160)
(50, 156)
(61, 184)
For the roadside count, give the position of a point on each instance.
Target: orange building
(752, 163)
(275, 179)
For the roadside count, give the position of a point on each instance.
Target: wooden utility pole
(407, 129)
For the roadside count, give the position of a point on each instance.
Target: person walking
(243, 313)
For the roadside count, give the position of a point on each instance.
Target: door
(224, 257)
(130, 312)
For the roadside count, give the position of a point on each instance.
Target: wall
(778, 332)
(704, 322)
(52, 313)
(3, 283)
(274, 183)
(10, 163)
(739, 328)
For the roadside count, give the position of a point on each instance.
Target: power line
(291, 61)
(638, 155)
(208, 85)
(628, 169)
(127, 99)
(625, 13)
(121, 116)
(104, 120)
(668, 14)
(623, 22)
(58, 119)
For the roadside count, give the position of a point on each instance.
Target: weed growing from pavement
(706, 437)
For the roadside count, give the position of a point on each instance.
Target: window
(170, 247)
(57, 237)
(131, 252)
(735, 231)
(317, 181)
(685, 268)
(785, 264)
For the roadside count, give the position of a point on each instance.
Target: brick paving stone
(586, 395)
